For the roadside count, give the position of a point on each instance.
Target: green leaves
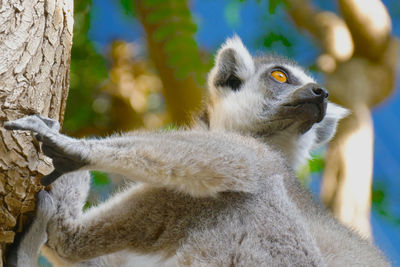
(175, 29)
(164, 14)
(170, 127)
(272, 37)
(314, 165)
(100, 178)
(317, 164)
(232, 13)
(381, 202)
(127, 6)
(273, 4)
(88, 70)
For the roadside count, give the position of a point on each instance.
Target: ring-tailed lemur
(224, 195)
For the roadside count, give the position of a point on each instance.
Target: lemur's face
(292, 99)
(266, 96)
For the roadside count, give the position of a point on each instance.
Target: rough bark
(35, 45)
(358, 76)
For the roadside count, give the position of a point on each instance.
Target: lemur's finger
(50, 178)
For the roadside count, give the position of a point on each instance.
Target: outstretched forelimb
(194, 162)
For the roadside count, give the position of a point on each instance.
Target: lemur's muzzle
(313, 98)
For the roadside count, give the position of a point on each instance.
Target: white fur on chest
(296, 148)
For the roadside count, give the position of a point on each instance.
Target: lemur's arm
(135, 219)
(198, 163)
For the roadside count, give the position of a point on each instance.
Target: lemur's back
(339, 245)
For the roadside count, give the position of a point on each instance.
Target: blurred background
(143, 64)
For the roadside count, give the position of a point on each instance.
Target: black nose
(319, 91)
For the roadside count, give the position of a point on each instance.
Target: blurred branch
(369, 23)
(170, 39)
(326, 27)
(136, 89)
(347, 178)
(359, 76)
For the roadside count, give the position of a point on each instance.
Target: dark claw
(8, 125)
(38, 137)
(50, 178)
(12, 255)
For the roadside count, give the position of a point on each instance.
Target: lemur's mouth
(314, 108)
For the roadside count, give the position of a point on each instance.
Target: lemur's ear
(326, 129)
(233, 65)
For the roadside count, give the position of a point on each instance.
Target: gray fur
(221, 196)
(27, 251)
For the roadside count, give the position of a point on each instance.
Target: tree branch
(174, 52)
(358, 81)
(369, 23)
(326, 27)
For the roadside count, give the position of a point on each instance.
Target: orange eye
(279, 76)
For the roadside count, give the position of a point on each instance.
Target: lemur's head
(272, 98)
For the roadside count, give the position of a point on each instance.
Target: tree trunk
(35, 45)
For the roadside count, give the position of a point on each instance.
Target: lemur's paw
(67, 153)
(46, 207)
(38, 124)
(33, 123)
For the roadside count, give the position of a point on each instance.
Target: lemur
(223, 193)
